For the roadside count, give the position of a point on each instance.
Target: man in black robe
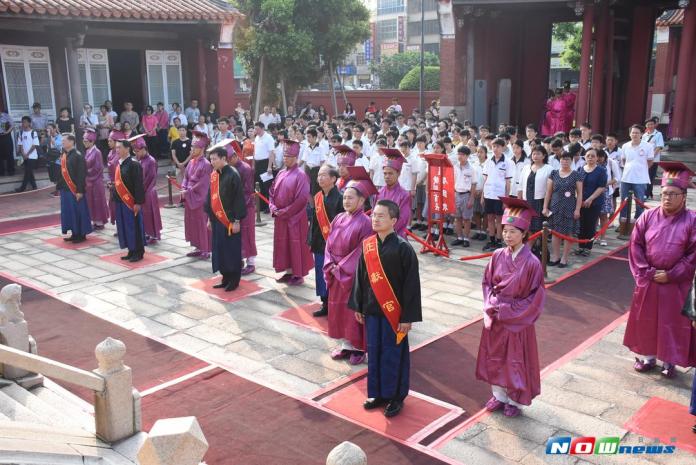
(388, 361)
(74, 213)
(129, 221)
(333, 205)
(227, 239)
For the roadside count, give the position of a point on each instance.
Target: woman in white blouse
(520, 159)
(532, 184)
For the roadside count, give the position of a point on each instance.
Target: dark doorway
(126, 74)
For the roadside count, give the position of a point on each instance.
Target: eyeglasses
(670, 195)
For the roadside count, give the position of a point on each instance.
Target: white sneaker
(603, 243)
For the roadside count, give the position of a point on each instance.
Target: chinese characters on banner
(440, 189)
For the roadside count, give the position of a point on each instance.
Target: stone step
(15, 411)
(80, 413)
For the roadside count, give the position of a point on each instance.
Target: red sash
(66, 174)
(381, 286)
(322, 216)
(216, 202)
(122, 190)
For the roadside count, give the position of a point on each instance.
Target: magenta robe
(655, 324)
(112, 163)
(196, 183)
(513, 298)
(402, 198)
(343, 248)
(248, 224)
(289, 195)
(94, 191)
(569, 113)
(151, 213)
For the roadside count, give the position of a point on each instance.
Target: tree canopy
(571, 36)
(393, 68)
(431, 79)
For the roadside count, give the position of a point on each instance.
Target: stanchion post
(627, 226)
(259, 222)
(170, 174)
(545, 246)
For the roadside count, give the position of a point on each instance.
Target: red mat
(417, 415)
(148, 259)
(67, 334)
(302, 316)
(249, 424)
(245, 289)
(666, 421)
(90, 242)
(35, 222)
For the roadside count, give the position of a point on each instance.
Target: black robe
(77, 168)
(231, 195)
(334, 205)
(400, 265)
(132, 177)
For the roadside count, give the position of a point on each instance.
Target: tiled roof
(671, 18)
(141, 10)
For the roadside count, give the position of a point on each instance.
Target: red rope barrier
(173, 182)
(476, 257)
(641, 204)
(598, 234)
(426, 245)
(263, 198)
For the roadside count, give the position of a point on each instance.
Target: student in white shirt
(531, 133)
(653, 137)
(519, 159)
(465, 176)
(360, 158)
(27, 146)
(614, 153)
(421, 180)
(586, 136)
(376, 162)
(637, 157)
(409, 170)
(264, 145)
(497, 174)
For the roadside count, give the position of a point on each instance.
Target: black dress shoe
(377, 402)
(69, 239)
(323, 311)
(231, 286)
(693, 428)
(393, 408)
(220, 285)
(79, 239)
(127, 257)
(135, 258)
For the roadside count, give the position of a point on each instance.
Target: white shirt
(364, 162)
(464, 177)
(636, 163)
(613, 171)
(411, 167)
(263, 146)
(656, 140)
(616, 156)
(313, 156)
(27, 139)
(376, 166)
(515, 183)
(182, 119)
(540, 178)
(554, 162)
(496, 176)
(277, 152)
(266, 119)
(332, 158)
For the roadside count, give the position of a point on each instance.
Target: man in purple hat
(288, 197)
(74, 212)
(248, 223)
(662, 256)
(393, 191)
(194, 190)
(94, 189)
(345, 159)
(513, 299)
(129, 194)
(152, 220)
(343, 248)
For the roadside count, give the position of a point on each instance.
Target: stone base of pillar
(460, 109)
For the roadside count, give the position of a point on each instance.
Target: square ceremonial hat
(227, 145)
(116, 135)
(292, 148)
(393, 158)
(346, 155)
(138, 142)
(360, 181)
(675, 174)
(90, 135)
(518, 213)
(200, 140)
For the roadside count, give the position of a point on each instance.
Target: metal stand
(259, 222)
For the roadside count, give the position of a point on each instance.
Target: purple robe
(343, 248)
(94, 191)
(112, 163)
(402, 198)
(248, 224)
(513, 298)
(289, 195)
(655, 324)
(569, 113)
(151, 213)
(197, 183)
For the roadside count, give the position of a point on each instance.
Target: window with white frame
(27, 77)
(94, 76)
(164, 77)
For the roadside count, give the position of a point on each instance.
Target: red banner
(322, 216)
(216, 202)
(66, 174)
(122, 190)
(441, 189)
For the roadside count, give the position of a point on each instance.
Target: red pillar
(690, 119)
(636, 82)
(202, 75)
(609, 79)
(599, 66)
(684, 78)
(225, 76)
(448, 72)
(581, 112)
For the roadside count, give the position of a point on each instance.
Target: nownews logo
(564, 445)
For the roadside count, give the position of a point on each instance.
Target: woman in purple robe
(288, 197)
(513, 298)
(111, 164)
(94, 188)
(662, 256)
(392, 190)
(152, 221)
(343, 248)
(194, 191)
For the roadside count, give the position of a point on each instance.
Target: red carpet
(302, 316)
(14, 226)
(69, 335)
(666, 421)
(623, 253)
(148, 259)
(90, 242)
(246, 423)
(245, 289)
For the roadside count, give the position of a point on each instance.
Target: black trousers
(260, 167)
(163, 143)
(588, 225)
(152, 146)
(7, 163)
(652, 171)
(29, 179)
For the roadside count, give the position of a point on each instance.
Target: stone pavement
(592, 395)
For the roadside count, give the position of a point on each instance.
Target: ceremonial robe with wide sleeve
(196, 184)
(402, 198)
(74, 214)
(248, 224)
(151, 212)
(94, 187)
(131, 234)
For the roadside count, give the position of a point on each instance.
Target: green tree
(392, 69)
(431, 79)
(571, 36)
